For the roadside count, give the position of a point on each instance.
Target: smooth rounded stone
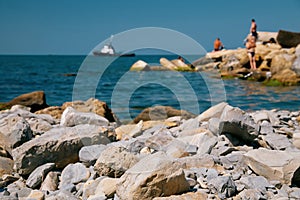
(89, 187)
(73, 174)
(114, 161)
(107, 186)
(36, 195)
(59, 145)
(167, 64)
(6, 166)
(213, 112)
(36, 177)
(139, 65)
(154, 176)
(51, 181)
(129, 131)
(89, 154)
(71, 117)
(14, 131)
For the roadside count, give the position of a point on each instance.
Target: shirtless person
(250, 45)
(253, 28)
(218, 45)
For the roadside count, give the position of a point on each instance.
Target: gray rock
(159, 140)
(224, 186)
(114, 161)
(213, 125)
(295, 193)
(61, 195)
(250, 194)
(155, 175)
(73, 174)
(236, 122)
(189, 124)
(275, 165)
(276, 141)
(71, 117)
(59, 145)
(14, 131)
(6, 166)
(212, 112)
(39, 126)
(260, 116)
(205, 142)
(176, 149)
(37, 176)
(89, 187)
(89, 154)
(258, 183)
(51, 182)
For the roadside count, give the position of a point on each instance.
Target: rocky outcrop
(288, 39)
(34, 100)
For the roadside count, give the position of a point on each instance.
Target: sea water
(69, 78)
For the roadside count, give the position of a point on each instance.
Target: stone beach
(80, 150)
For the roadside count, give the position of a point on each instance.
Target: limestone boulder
(266, 36)
(187, 196)
(276, 165)
(14, 131)
(281, 62)
(239, 124)
(54, 111)
(73, 174)
(51, 181)
(6, 166)
(38, 175)
(140, 65)
(161, 113)
(129, 131)
(114, 161)
(180, 65)
(167, 64)
(35, 100)
(71, 117)
(89, 154)
(288, 39)
(92, 105)
(213, 112)
(59, 145)
(153, 176)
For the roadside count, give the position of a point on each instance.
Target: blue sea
(68, 78)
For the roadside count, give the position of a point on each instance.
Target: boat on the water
(109, 50)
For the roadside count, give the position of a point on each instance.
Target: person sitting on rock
(250, 45)
(218, 45)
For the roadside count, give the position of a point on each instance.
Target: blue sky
(76, 27)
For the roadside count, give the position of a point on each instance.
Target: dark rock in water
(288, 39)
(35, 100)
(162, 112)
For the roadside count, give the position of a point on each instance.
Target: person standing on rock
(250, 45)
(218, 45)
(253, 28)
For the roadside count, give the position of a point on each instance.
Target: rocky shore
(277, 58)
(81, 151)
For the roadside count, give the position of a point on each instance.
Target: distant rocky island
(277, 57)
(80, 150)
